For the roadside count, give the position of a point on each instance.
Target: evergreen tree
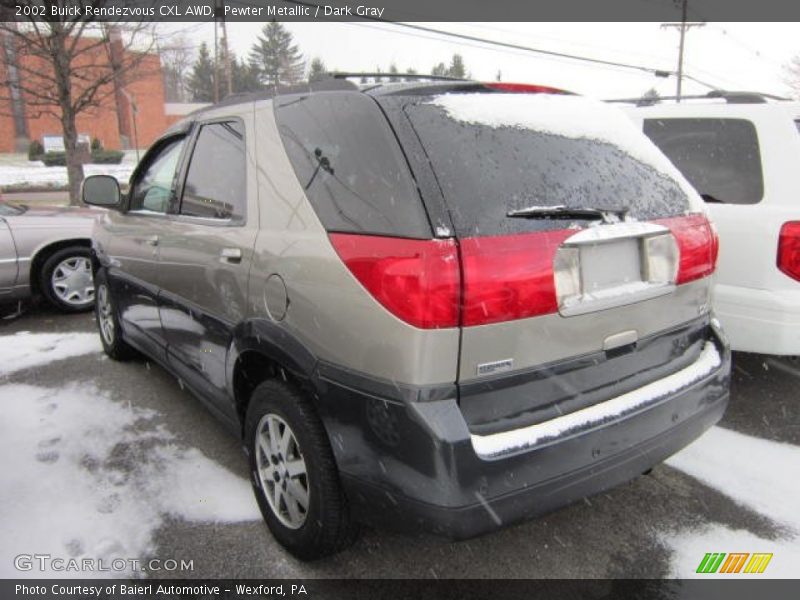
(499, 76)
(201, 80)
(393, 71)
(316, 70)
(457, 68)
(439, 70)
(245, 77)
(277, 58)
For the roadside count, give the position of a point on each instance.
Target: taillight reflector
(509, 277)
(418, 281)
(789, 249)
(697, 243)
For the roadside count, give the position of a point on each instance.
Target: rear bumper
(413, 466)
(763, 321)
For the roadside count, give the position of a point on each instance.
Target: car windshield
(10, 210)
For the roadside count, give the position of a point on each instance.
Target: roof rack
(407, 76)
(731, 97)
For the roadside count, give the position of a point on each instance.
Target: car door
(8, 258)
(133, 244)
(205, 258)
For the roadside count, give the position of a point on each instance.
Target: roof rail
(729, 96)
(407, 76)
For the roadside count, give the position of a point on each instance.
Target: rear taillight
(698, 245)
(509, 277)
(418, 281)
(789, 249)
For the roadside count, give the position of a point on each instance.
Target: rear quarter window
(721, 158)
(348, 160)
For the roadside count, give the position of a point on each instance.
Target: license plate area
(613, 265)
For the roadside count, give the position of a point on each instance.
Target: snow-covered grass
(16, 170)
(85, 476)
(25, 350)
(759, 474)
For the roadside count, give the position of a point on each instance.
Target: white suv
(741, 151)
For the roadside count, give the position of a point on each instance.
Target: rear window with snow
(721, 157)
(348, 160)
(493, 153)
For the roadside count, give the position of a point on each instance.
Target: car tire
(66, 279)
(105, 312)
(304, 464)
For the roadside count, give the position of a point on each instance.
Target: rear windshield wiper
(712, 199)
(563, 212)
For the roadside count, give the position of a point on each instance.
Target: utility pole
(216, 63)
(227, 56)
(683, 26)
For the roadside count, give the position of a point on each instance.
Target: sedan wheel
(72, 281)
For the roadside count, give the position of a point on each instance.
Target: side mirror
(101, 190)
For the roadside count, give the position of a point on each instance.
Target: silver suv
(442, 306)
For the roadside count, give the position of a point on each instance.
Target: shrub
(97, 145)
(35, 150)
(54, 159)
(107, 157)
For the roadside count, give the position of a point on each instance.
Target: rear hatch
(585, 256)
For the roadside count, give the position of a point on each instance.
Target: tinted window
(348, 160)
(153, 187)
(486, 171)
(719, 157)
(215, 186)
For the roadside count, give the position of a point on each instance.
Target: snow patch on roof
(496, 444)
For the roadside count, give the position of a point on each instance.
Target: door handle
(231, 255)
(151, 241)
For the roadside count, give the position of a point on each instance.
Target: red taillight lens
(523, 88)
(418, 281)
(509, 277)
(789, 249)
(698, 245)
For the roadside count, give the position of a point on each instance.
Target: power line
(472, 38)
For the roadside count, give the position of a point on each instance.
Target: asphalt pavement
(615, 534)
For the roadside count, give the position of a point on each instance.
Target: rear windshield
(486, 170)
(348, 160)
(720, 157)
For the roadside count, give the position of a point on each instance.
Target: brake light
(418, 281)
(698, 245)
(789, 249)
(523, 88)
(509, 277)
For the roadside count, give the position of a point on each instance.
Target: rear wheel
(66, 279)
(294, 474)
(105, 313)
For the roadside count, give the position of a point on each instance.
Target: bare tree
(176, 59)
(64, 68)
(792, 69)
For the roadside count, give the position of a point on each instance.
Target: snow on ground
(18, 170)
(85, 476)
(25, 350)
(759, 474)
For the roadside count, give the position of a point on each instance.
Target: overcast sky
(738, 56)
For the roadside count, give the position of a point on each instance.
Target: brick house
(114, 122)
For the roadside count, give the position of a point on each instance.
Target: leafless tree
(64, 67)
(792, 69)
(177, 57)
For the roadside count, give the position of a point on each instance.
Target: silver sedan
(47, 251)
